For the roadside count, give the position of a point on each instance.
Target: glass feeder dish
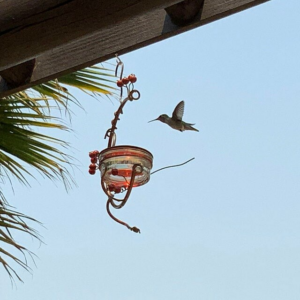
(116, 166)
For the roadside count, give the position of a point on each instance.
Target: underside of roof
(42, 40)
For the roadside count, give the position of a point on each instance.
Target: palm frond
(12, 221)
(23, 146)
(20, 141)
(57, 89)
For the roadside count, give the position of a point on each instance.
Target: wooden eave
(44, 39)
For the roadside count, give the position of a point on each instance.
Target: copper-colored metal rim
(129, 148)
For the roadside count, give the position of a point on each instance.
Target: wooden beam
(65, 23)
(18, 75)
(127, 35)
(16, 13)
(184, 12)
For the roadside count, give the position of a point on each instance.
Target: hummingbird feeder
(121, 167)
(118, 163)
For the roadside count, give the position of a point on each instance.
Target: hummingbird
(176, 120)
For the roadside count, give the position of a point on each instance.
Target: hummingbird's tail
(191, 128)
(188, 126)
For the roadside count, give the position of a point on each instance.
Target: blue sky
(223, 227)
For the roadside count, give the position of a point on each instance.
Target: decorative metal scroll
(126, 83)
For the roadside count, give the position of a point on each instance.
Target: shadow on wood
(17, 75)
(184, 12)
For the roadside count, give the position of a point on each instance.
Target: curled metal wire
(132, 94)
(173, 166)
(111, 199)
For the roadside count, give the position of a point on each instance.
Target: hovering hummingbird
(176, 121)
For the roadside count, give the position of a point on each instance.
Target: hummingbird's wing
(178, 111)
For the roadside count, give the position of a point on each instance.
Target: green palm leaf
(20, 141)
(23, 149)
(57, 89)
(12, 221)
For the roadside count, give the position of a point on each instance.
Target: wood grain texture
(152, 26)
(15, 13)
(66, 23)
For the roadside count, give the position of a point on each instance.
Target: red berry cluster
(94, 158)
(113, 188)
(125, 80)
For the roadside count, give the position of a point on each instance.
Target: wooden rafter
(66, 35)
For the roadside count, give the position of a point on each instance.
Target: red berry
(92, 171)
(125, 80)
(114, 172)
(92, 154)
(94, 160)
(93, 166)
(132, 78)
(117, 190)
(111, 187)
(120, 83)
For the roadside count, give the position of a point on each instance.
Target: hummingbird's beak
(153, 120)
